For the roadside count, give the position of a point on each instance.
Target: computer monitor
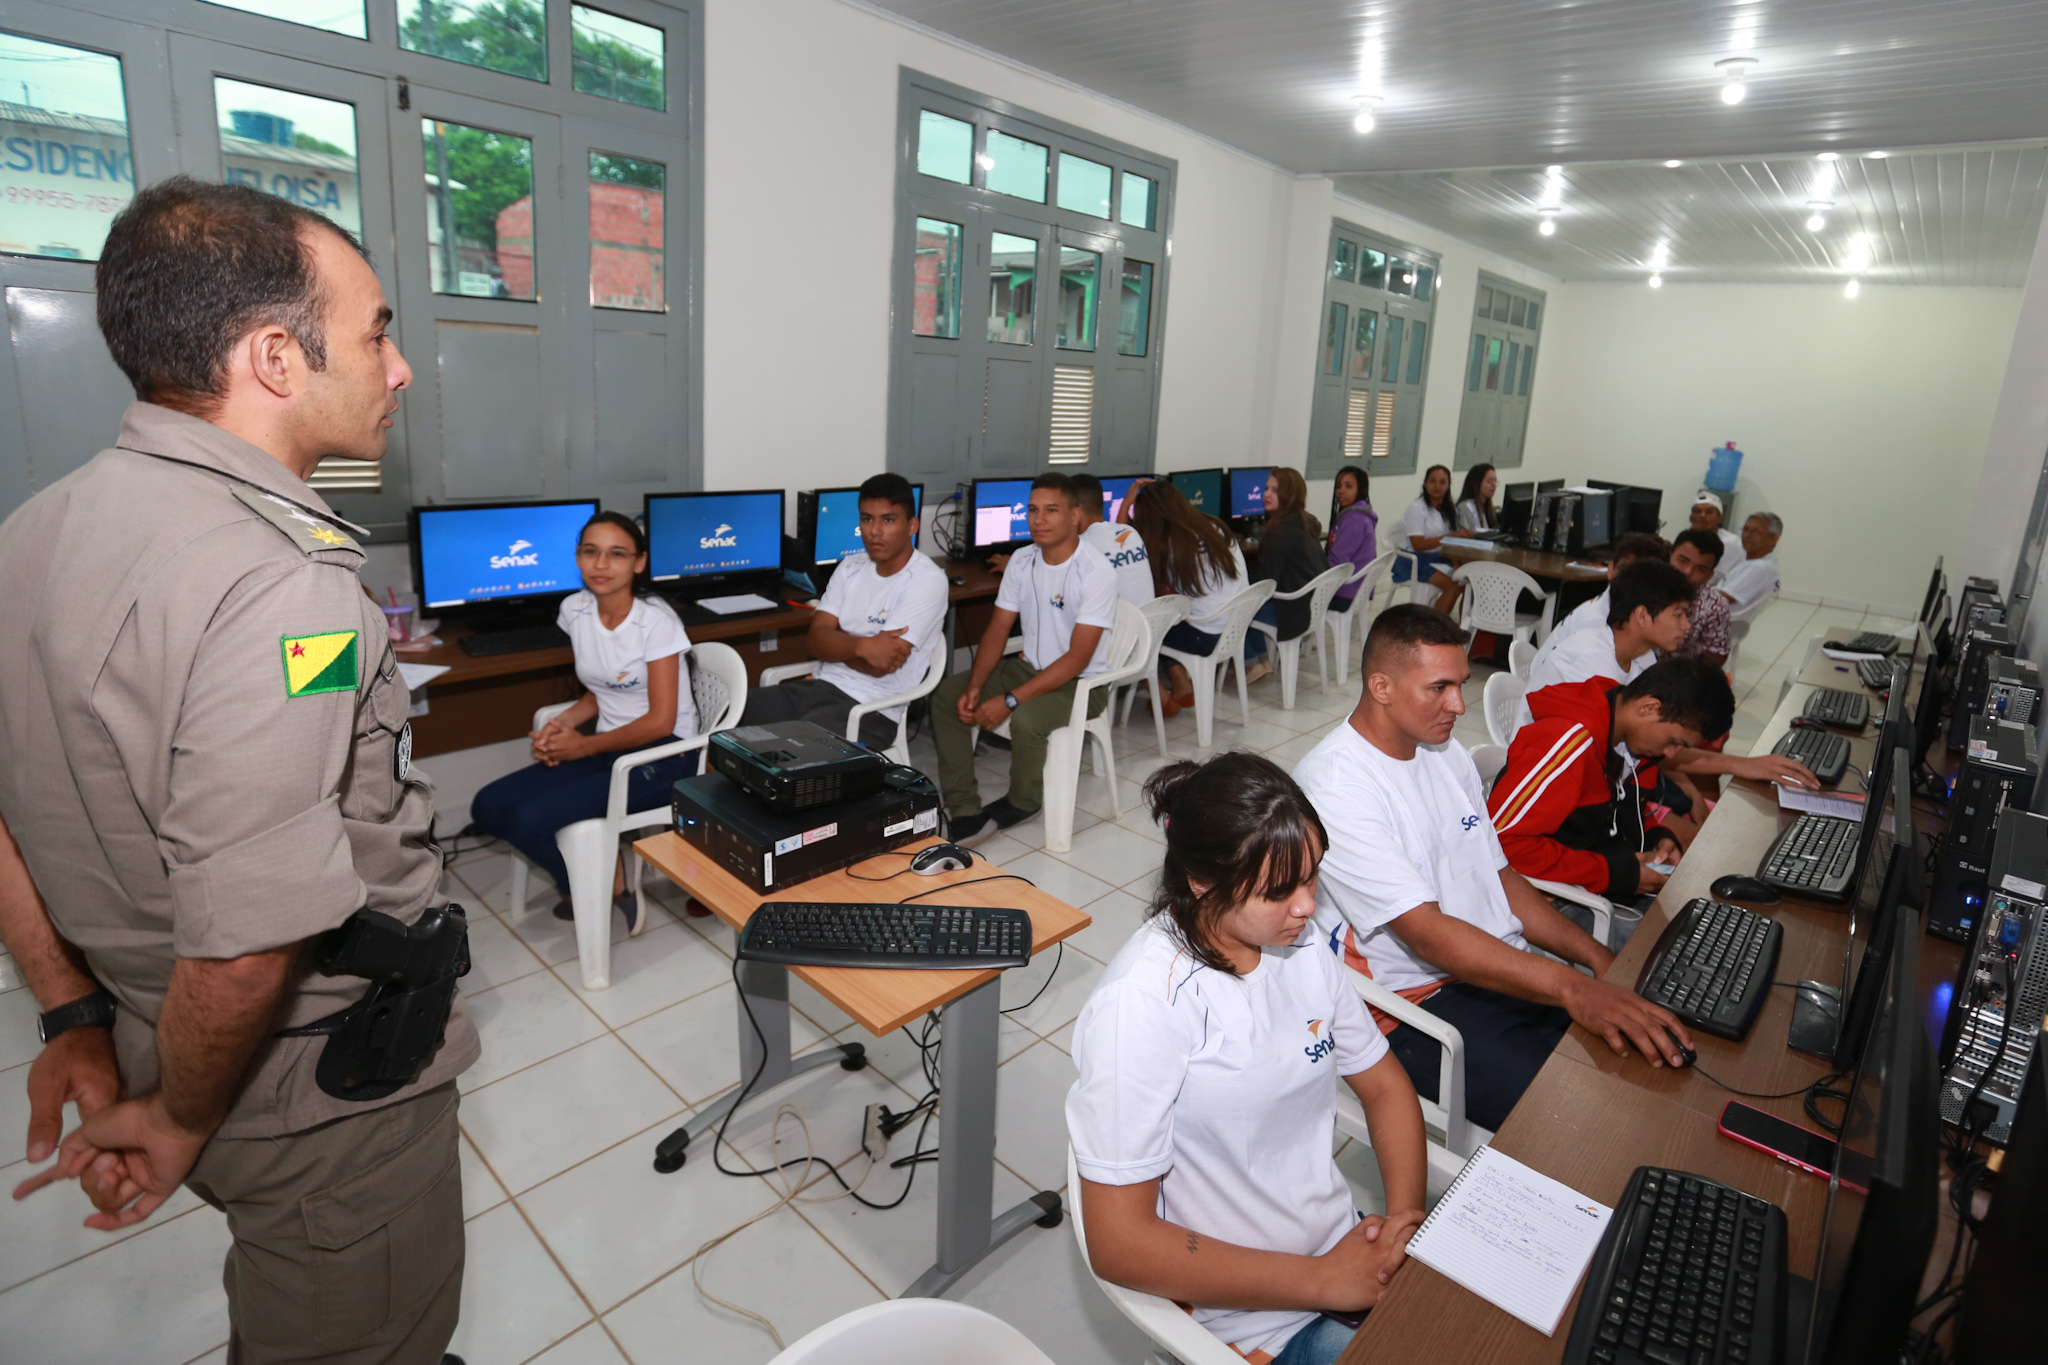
(1549, 486)
(2005, 1315)
(828, 522)
(497, 557)
(1248, 494)
(704, 541)
(1937, 587)
(1115, 488)
(1202, 487)
(1881, 1211)
(1517, 500)
(1894, 876)
(1597, 521)
(1002, 519)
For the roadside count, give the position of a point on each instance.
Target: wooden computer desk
(1590, 1118)
(882, 1000)
(1536, 563)
(485, 700)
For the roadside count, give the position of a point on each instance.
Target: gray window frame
(1493, 424)
(1332, 404)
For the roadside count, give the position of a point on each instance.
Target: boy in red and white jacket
(1568, 807)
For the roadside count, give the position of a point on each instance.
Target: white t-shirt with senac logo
(613, 663)
(865, 603)
(1403, 835)
(1125, 551)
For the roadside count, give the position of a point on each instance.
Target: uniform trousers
(527, 807)
(1507, 1041)
(1030, 724)
(348, 1237)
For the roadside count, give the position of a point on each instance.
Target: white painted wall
(1863, 422)
(2013, 456)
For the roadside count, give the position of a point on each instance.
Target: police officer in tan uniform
(207, 775)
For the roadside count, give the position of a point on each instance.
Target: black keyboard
(1814, 856)
(1712, 966)
(1871, 642)
(1826, 754)
(513, 641)
(1836, 706)
(1688, 1272)
(846, 934)
(1875, 673)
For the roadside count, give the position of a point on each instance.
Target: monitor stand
(1816, 1019)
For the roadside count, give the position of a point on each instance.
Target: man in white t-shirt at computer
(1415, 892)
(1063, 594)
(1591, 615)
(1119, 543)
(882, 615)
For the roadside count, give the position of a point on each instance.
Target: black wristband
(91, 1011)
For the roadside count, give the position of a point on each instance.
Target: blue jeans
(527, 807)
(1188, 640)
(1507, 1041)
(1319, 1343)
(1427, 562)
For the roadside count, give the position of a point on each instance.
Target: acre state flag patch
(314, 664)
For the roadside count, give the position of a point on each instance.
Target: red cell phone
(1796, 1146)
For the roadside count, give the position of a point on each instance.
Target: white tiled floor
(578, 1251)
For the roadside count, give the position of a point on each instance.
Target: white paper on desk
(745, 601)
(1513, 1236)
(419, 675)
(1848, 655)
(1820, 803)
(1467, 542)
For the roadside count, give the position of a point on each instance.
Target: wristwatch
(91, 1011)
(1010, 700)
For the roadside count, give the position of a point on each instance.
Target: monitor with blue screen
(1115, 488)
(835, 516)
(1001, 513)
(495, 554)
(1202, 487)
(1248, 493)
(709, 537)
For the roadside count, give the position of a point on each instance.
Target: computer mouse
(1736, 887)
(930, 862)
(1686, 1057)
(1807, 723)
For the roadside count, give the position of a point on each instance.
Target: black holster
(381, 1043)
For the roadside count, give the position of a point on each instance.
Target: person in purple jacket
(1354, 530)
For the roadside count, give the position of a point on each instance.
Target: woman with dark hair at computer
(629, 651)
(1192, 553)
(1354, 529)
(1475, 499)
(1207, 1050)
(1290, 550)
(1423, 527)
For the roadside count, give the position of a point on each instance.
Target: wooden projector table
(880, 1000)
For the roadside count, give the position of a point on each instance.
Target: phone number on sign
(63, 199)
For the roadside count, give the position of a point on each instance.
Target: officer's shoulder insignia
(302, 528)
(325, 662)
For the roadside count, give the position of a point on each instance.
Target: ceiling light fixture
(1877, 156)
(1858, 259)
(1365, 122)
(1656, 281)
(1548, 222)
(1852, 289)
(1673, 165)
(1554, 172)
(1819, 218)
(1830, 156)
(1735, 69)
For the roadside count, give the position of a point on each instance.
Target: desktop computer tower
(1998, 776)
(1982, 643)
(1537, 537)
(1999, 987)
(2012, 690)
(1975, 590)
(1564, 521)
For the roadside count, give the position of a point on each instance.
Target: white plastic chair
(1744, 615)
(1502, 701)
(1375, 589)
(590, 848)
(1127, 660)
(1489, 759)
(1446, 1113)
(899, 751)
(1491, 593)
(1161, 613)
(913, 1332)
(1173, 1331)
(1738, 631)
(1521, 654)
(1204, 669)
(1319, 591)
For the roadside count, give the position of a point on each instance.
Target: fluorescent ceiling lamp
(1548, 227)
(1819, 217)
(1877, 156)
(1673, 165)
(1735, 69)
(1656, 281)
(1830, 156)
(1852, 289)
(1365, 122)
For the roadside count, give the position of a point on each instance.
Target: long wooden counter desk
(1590, 1118)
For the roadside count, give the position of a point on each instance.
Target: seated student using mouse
(629, 657)
(1203, 1117)
(1415, 892)
(882, 615)
(1569, 805)
(1064, 595)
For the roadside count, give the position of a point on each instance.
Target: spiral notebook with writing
(1513, 1236)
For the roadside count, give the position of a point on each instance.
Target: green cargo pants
(1030, 723)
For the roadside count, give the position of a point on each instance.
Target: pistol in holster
(382, 1042)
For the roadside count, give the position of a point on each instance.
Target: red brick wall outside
(626, 247)
(515, 246)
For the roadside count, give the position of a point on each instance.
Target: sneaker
(565, 909)
(1004, 814)
(969, 830)
(634, 908)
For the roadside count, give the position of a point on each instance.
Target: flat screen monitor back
(496, 556)
(1202, 487)
(1549, 486)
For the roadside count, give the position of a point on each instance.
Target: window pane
(1415, 352)
(1485, 307)
(1012, 275)
(1084, 186)
(1400, 276)
(1501, 303)
(1528, 364)
(1520, 313)
(1478, 362)
(1533, 307)
(1425, 282)
(1333, 339)
(1363, 342)
(1134, 324)
(1015, 167)
(345, 17)
(935, 279)
(1514, 357)
(627, 258)
(1372, 268)
(617, 58)
(504, 35)
(945, 147)
(1493, 362)
(1080, 276)
(1141, 201)
(1391, 369)
(65, 168)
(1345, 266)
(295, 146)
(479, 211)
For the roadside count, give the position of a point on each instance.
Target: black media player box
(770, 849)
